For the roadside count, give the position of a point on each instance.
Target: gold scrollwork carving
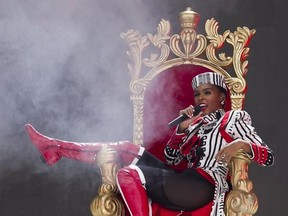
(107, 202)
(138, 120)
(136, 43)
(159, 41)
(240, 40)
(216, 41)
(187, 38)
(240, 202)
(237, 102)
(241, 199)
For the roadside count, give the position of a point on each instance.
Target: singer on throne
(196, 164)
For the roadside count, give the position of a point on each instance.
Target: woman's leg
(178, 191)
(137, 183)
(53, 149)
(131, 183)
(188, 190)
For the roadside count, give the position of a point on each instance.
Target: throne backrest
(160, 85)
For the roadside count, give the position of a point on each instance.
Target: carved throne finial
(189, 18)
(188, 37)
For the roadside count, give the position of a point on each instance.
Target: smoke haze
(63, 65)
(63, 68)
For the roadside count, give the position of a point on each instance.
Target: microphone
(183, 117)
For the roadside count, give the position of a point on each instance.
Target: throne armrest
(241, 200)
(107, 202)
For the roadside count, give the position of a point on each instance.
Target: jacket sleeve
(242, 128)
(172, 152)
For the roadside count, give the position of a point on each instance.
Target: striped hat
(208, 77)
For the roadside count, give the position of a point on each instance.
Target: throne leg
(241, 201)
(107, 202)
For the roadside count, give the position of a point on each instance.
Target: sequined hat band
(208, 77)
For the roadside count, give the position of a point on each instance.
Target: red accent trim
(256, 149)
(226, 136)
(262, 154)
(204, 211)
(132, 191)
(157, 210)
(223, 125)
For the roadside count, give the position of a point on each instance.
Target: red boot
(131, 183)
(52, 149)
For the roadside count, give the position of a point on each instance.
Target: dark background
(63, 69)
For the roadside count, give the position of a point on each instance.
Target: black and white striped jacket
(208, 140)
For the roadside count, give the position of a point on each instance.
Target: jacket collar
(213, 117)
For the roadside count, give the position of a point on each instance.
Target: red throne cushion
(166, 94)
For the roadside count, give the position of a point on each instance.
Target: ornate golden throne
(176, 59)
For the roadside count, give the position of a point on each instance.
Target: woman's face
(209, 97)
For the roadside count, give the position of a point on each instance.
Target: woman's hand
(189, 112)
(225, 155)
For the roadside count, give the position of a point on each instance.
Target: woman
(204, 143)
(199, 143)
